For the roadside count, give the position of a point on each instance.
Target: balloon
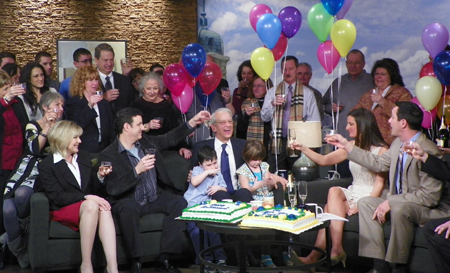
(428, 92)
(189, 79)
(269, 29)
(328, 56)
(345, 7)
(291, 20)
(428, 116)
(184, 100)
(332, 6)
(444, 102)
(434, 38)
(262, 62)
(343, 35)
(441, 66)
(280, 47)
(210, 77)
(256, 12)
(194, 59)
(205, 100)
(175, 78)
(320, 22)
(427, 70)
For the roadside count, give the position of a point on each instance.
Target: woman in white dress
(362, 126)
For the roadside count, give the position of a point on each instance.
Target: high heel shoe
(339, 258)
(296, 261)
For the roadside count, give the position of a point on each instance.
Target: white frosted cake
(213, 211)
(292, 220)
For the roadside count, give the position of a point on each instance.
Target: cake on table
(288, 219)
(214, 211)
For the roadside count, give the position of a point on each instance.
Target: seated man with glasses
(81, 57)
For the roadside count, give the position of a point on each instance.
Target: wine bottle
(443, 134)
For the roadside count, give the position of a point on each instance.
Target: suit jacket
(439, 169)
(60, 185)
(77, 109)
(123, 84)
(121, 183)
(418, 187)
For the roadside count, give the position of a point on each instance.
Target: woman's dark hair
(206, 153)
(367, 132)
(136, 71)
(253, 150)
(392, 68)
(268, 83)
(11, 69)
(246, 63)
(25, 77)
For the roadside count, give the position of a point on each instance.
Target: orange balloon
(446, 105)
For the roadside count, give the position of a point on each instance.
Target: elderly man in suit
(140, 184)
(413, 197)
(117, 88)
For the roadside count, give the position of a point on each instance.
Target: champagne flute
(292, 139)
(302, 191)
(291, 190)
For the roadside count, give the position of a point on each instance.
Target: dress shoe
(135, 267)
(339, 258)
(296, 261)
(166, 267)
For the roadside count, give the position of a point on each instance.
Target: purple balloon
(434, 38)
(345, 7)
(291, 20)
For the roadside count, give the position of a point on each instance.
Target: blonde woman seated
(362, 126)
(70, 184)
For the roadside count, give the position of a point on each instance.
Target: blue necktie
(108, 85)
(225, 169)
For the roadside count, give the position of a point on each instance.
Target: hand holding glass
(105, 167)
(292, 139)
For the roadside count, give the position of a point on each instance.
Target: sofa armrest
(318, 189)
(39, 228)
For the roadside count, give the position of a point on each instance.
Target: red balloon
(175, 78)
(427, 70)
(210, 77)
(190, 80)
(328, 56)
(256, 12)
(280, 47)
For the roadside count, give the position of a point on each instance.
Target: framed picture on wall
(65, 49)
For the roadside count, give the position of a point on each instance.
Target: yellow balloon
(428, 92)
(262, 61)
(343, 36)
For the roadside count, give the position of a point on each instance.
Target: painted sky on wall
(385, 28)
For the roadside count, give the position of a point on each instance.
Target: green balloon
(320, 21)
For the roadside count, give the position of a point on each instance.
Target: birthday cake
(292, 220)
(213, 211)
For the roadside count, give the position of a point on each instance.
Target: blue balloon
(333, 6)
(269, 29)
(441, 67)
(194, 59)
(205, 100)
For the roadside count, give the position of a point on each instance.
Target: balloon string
(338, 97)
(443, 104)
(181, 106)
(195, 109)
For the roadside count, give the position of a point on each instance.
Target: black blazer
(60, 185)
(238, 147)
(121, 183)
(440, 170)
(126, 90)
(77, 109)
(21, 115)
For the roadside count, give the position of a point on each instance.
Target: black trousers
(129, 212)
(438, 245)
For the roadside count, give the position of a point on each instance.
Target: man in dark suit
(140, 184)
(222, 126)
(117, 88)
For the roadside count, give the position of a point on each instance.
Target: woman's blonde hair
(78, 82)
(61, 134)
(4, 78)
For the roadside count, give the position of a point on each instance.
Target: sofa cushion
(178, 168)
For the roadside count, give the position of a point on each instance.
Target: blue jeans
(211, 239)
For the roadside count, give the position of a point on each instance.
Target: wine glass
(292, 139)
(105, 167)
(254, 104)
(302, 191)
(291, 190)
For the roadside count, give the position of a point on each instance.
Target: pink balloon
(343, 11)
(328, 56)
(280, 47)
(256, 12)
(435, 38)
(184, 100)
(428, 116)
(210, 77)
(175, 78)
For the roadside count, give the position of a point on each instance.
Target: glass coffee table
(240, 232)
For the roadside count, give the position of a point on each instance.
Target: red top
(12, 146)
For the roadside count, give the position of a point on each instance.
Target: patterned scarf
(296, 112)
(255, 129)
